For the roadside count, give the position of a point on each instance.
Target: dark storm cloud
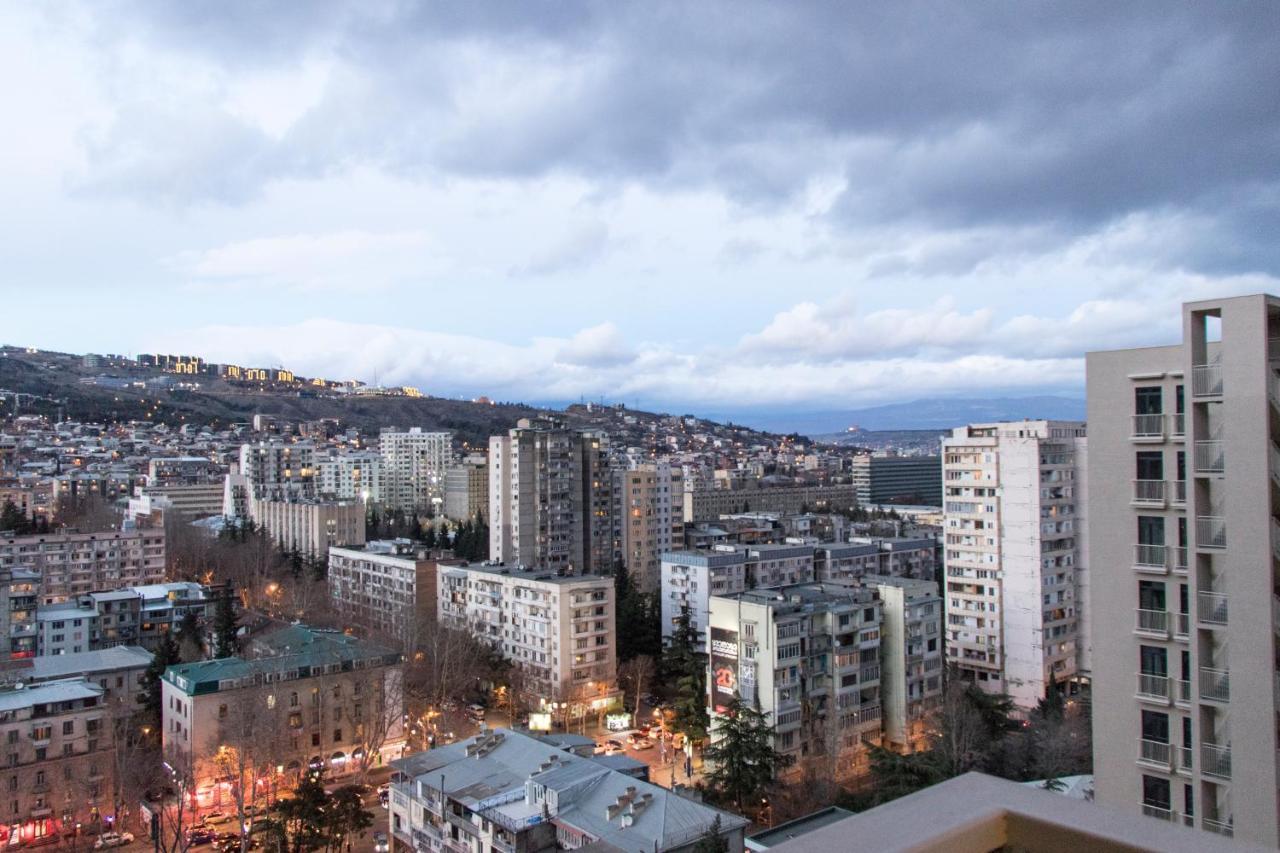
(945, 115)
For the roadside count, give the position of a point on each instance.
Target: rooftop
(67, 690)
(47, 667)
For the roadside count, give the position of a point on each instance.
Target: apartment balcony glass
(1149, 492)
(1215, 684)
(1215, 760)
(1151, 558)
(1209, 457)
(1206, 380)
(1148, 426)
(1211, 608)
(1211, 531)
(1220, 827)
(1153, 622)
(1153, 686)
(1155, 752)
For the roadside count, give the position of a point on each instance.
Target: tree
(226, 624)
(250, 745)
(12, 518)
(741, 753)
(303, 814)
(711, 840)
(685, 664)
(190, 637)
(166, 655)
(372, 524)
(346, 815)
(634, 675)
(374, 705)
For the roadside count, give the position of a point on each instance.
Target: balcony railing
(1148, 426)
(1179, 495)
(1152, 686)
(1217, 826)
(1211, 531)
(1179, 424)
(1182, 758)
(1182, 625)
(1182, 692)
(1215, 760)
(1211, 608)
(1209, 457)
(1151, 557)
(1148, 492)
(1154, 752)
(1179, 559)
(1215, 684)
(1153, 622)
(1206, 380)
(1158, 811)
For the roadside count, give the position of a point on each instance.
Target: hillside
(55, 378)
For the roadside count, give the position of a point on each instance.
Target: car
(108, 840)
(215, 818)
(639, 741)
(475, 712)
(380, 843)
(198, 837)
(610, 747)
(448, 705)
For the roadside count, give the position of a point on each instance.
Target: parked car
(108, 840)
(610, 747)
(380, 843)
(639, 741)
(199, 837)
(475, 712)
(215, 818)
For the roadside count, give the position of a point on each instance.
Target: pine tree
(12, 518)
(741, 754)
(371, 524)
(166, 655)
(430, 538)
(684, 664)
(711, 842)
(225, 625)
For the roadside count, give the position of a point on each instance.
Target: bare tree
(176, 812)
(634, 676)
(135, 758)
(374, 707)
(87, 513)
(958, 732)
(250, 745)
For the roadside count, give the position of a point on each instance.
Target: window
(1155, 792)
(1148, 400)
(1150, 465)
(1153, 660)
(1155, 726)
(68, 727)
(1151, 596)
(222, 712)
(1150, 530)
(337, 735)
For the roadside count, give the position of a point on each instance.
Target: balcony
(1148, 427)
(1209, 457)
(1151, 558)
(1217, 826)
(1155, 752)
(1157, 811)
(1182, 759)
(1182, 625)
(1179, 424)
(1211, 608)
(1153, 622)
(1149, 492)
(1180, 559)
(1211, 531)
(1182, 692)
(1153, 687)
(1179, 495)
(1206, 380)
(1215, 760)
(1215, 684)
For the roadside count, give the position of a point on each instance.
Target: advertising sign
(724, 667)
(539, 722)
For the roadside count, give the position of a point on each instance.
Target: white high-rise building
(351, 476)
(1184, 515)
(413, 467)
(278, 470)
(1014, 524)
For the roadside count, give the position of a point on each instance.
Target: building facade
(312, 527)
(880, 479)
(140, 615)
(652, 520)
(388, 587)
(690, 578)
(560, 630)
(413, 467)
(702, 503)
(350, 476)
(1185, 515)
(466, 488)
(1015, 542)
(71, 564)
(278, 470)
(19, 593)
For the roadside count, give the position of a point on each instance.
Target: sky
(722, 206)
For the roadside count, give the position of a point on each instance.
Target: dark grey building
(898, 479)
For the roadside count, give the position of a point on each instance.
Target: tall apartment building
(879, 479)
(311, 527)
(278, 470)
(690, 578)
(139, 615)
(651, 495)
(1015, 541)
(413, 467)
(466, 488)
(71, 564)
(350, 476)
(57, 774)
(388, 587)
(808, 658)
(1185, 515)
(18, 597)
(318, 699)
(551, 499)
(911, 645)
(560, 630)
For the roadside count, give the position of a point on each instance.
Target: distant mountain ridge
(927, 414)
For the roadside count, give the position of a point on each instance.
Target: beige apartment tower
(1185, 540)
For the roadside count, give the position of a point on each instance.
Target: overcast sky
(692, 205)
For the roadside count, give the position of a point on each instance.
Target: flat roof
(68, 690)
(47, 667)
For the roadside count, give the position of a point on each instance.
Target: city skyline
(677, 210)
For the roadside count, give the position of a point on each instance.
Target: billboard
(724, 667)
